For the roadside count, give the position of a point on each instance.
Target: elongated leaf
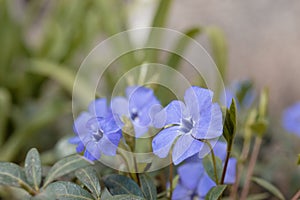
(219, 48)
(215, 192)
(260, 196)
(118, 184)
(148, 187)
(67, 191)
(209, 167)
(125, 197)
(268, 186)
(65, 166)
(12, 175)
(88, 176)
(4, 112)
(230, 124)
(161, 14)
(180, 47)
(33, 168)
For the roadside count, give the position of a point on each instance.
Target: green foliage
(268, 186)
(148, 187)
(12, 175)
(126, 197)
(118, 184)
(209, 167)
(33, 168)
(215, 192)
(88, 176)
(230, 124)
(65, 166)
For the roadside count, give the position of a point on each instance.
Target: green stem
(214, 160)
(171, 178)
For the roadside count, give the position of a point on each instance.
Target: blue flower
(241, 91)
(97, 132)
(195, 182)
(139, 105)
(197, 118)
(291, 119)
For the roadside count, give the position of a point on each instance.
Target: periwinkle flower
(195, 182)
(198, 118)
(291, 119)
(97, 131)
(138, 106)
(241, 91)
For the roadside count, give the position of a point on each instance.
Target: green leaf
(88, 176)
(161, 14)
(298, 163)
(67, 191)
(219, 48)
(12, 175)
(182, 44)
(5, 104)
(263, 104)
(125, 197)
(259, 126)
(148, 187)
(230, 124)
(209, 167)
(118, 184)
(268, 186)
(33, 168)
(260, 196)
(65, 166)
(215, 192)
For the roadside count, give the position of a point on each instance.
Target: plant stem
(225, 167)
(257, 144)
(297, 196)
(214, 160)
(171, 178)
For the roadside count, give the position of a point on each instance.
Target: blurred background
(43, 43)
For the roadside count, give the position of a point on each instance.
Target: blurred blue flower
(291, 119)
(96, 131)
(241, 91)
(197, 118)
(195, 182)
(139, 105)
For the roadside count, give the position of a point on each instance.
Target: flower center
(134, 115)
(97, 135)
(186, 125)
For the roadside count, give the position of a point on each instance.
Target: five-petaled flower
(291, 119)
(139, 106)
(97, 131)
(195, 182)
(196, 119)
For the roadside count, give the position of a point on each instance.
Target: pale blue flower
(291, 119)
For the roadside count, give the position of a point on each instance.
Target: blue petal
(291, 119)
(190, 174)
(98, 107)
(140, 97)
(89, 156)
(198, 101)
(212, 127)
(119, 106)
(163, 141)
(109, 145)
(231, 171)
(205, 149)
(109, 125)
(80, 124)
(185, 147)
(220, 150)
(173, 113)
(74, 140)
(93, 150)
(205, 184)
(181, 193)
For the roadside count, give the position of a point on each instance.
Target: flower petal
(181, 193)
(163, 141)
(185, 147)
(80, 124)
(198, 100)
(212, 126)
(231, 171)
(205, 184)
(139, 130)
(119, 106)
(98, 107)
(173, 113)
(109, 145)
(220, 150)
(190, 174)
